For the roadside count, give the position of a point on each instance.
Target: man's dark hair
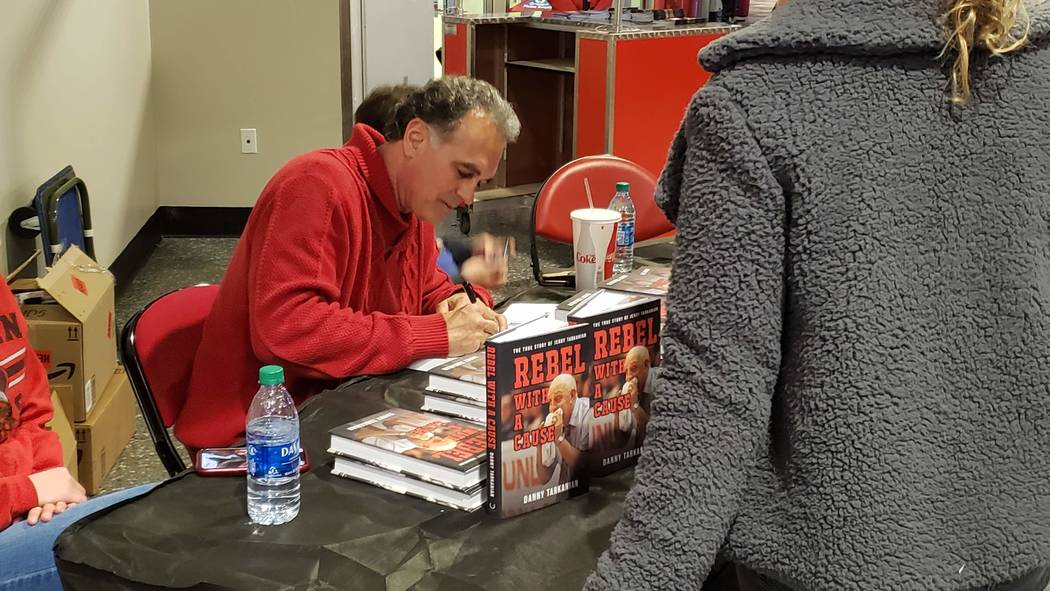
(442, 103)
(378, 108)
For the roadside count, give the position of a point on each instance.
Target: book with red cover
(537, 415)
(626, 343)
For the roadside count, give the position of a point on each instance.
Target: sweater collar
(847, 27)
(364, 145)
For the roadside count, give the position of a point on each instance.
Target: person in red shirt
(335, 275)
(481, 260)
(38, 496)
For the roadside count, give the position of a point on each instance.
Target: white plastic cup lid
(595, 215)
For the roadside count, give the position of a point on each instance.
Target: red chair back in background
(564, 191)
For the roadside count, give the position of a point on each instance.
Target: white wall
(74, 89)
(223, 65)
(146, 99)
(392, 42)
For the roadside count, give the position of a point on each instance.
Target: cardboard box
(106, 432)
(65, 399)
(60, 424)
(74, 336)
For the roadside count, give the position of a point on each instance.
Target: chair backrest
(64, 211)
(564, 192)
(158, 347)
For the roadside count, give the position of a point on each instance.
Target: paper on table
(516, 315)
(520, 313)
(538, 326)
(608, 300)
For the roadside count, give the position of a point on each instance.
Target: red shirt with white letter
(26, 446)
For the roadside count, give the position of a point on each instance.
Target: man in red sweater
(335, 275)
(34, 485)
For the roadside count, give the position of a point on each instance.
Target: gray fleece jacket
(856, 389)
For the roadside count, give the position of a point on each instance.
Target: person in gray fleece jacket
(856, 388)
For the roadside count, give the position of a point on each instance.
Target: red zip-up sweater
(26, 447)
(329, 280)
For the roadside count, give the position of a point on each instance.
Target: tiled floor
(178, 262)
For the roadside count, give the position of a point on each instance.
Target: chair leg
(169, 457)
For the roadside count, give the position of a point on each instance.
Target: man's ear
(417, 135)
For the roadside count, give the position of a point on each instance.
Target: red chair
(564, 191)
(157, 348)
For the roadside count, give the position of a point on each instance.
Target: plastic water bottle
(623, 259)
(273, 451)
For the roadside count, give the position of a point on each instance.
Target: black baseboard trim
(204, 221)
(175, 221)
(137, 252)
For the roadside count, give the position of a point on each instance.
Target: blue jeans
(27, 559)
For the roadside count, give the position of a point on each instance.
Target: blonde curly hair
(996, 26)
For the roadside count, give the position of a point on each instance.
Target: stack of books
(438, 459)
(649, 280)
(597, 299)
(552, 402)
(456, 385)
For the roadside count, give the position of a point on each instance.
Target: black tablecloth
(194, 532)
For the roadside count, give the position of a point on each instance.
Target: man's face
(637, 366)
(441, 174)
(564, 397)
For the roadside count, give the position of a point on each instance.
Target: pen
(470, 292)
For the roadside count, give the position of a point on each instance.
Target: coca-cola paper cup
(592, 231)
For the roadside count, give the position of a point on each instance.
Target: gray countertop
(592, 29)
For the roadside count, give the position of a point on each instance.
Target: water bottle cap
(622, 187)
(271, 375)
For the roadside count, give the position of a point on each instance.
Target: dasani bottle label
(273, 461)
